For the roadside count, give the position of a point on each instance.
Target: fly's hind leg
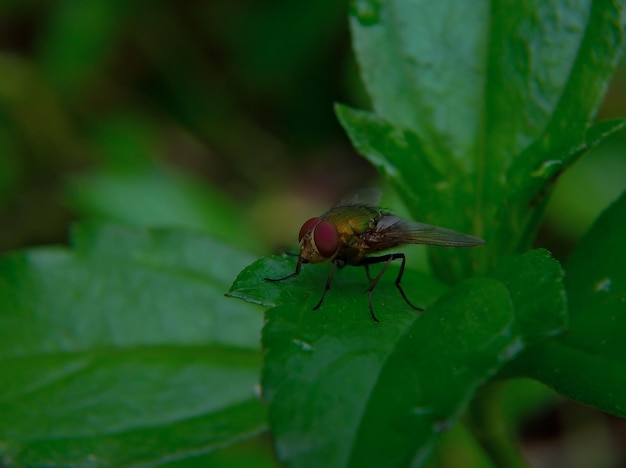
(387, 259)
(399, 278)
(367, 272)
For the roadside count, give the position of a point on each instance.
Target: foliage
(346, 378)
(442, 132)
(122, 350)
(591, 353)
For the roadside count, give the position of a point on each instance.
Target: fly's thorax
(353, 220)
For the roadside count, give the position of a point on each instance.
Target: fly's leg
(297, 272)
(326, 286)
(367, 262)
(399, 278)
(367, 272)
(293, 275)
(387, 259)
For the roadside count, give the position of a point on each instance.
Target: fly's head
(319, 241)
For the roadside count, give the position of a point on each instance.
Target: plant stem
(489, 426)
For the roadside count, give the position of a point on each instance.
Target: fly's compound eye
(326, 239)
(306, 227)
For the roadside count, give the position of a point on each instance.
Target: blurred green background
(212, 116)
(165, 113)
(158, 113)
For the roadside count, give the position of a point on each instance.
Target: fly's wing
(363, 197)
(393, 231)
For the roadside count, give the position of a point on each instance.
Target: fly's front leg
(293, 275)
(327, 285)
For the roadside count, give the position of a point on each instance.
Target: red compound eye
(326, 239)
(306, 227)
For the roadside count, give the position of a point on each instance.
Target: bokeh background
(157, 113)
(163, 113)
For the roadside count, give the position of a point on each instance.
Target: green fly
(355, 228)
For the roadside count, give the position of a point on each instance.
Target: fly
(354, 229)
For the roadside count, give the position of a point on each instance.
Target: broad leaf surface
(123, 350)
(344, 391)
(459, 98)
(589, 362)
(535, 282)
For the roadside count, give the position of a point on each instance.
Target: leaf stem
(489, 426)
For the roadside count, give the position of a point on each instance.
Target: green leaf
(535, 283)
(123, 350)
(412, 80)
(251, 287)
(449, 95)
(534, 182)
(403, 158)
(473, 105)
(440, 360)
(571, 212)
(344, 390)
(152, 196)
(587, 363)
(249, 284)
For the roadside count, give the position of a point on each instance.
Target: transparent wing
(364, 197)
(399, 231)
